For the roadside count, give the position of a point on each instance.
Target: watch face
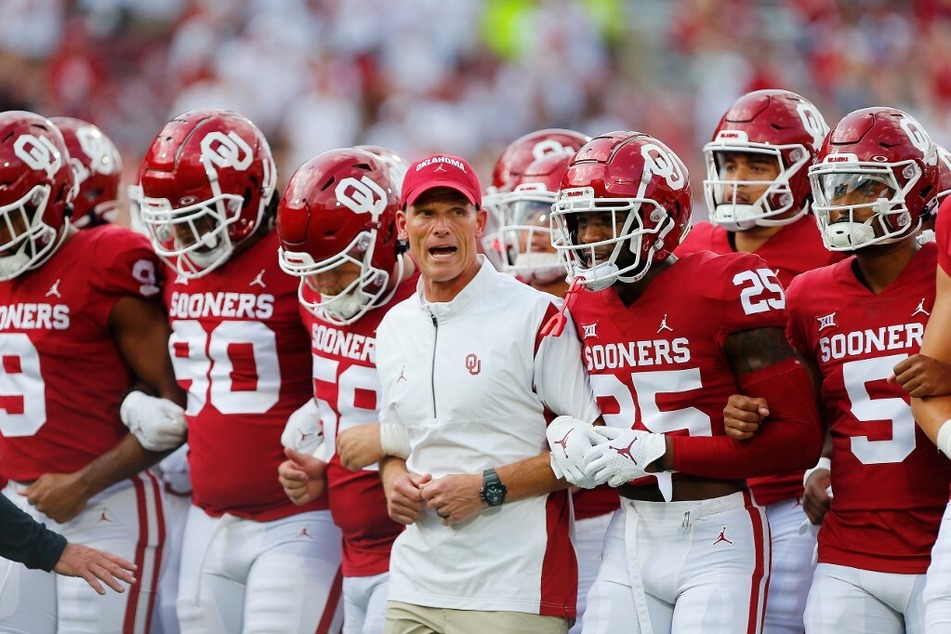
(493, 494)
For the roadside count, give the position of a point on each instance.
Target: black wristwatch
(493, 491)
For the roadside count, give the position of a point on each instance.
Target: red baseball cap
(441, 170)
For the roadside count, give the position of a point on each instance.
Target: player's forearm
(123, 461)
(931, 413)
(790, 439)
(529, 478)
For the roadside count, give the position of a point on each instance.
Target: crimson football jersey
(659, 363)
(795, 248)
(62, 376)
(890, 486)
(942, 231)
(347, 390)
(241, 352)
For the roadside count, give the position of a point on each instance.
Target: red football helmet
(36, 189)
(526, 228)
(395, 164)
(98, 169)
(880, 163)
(340, 207)
(509, 168)
(944, 173)
(780, 125)
(206, 182)
(522, 151)
(645, 188)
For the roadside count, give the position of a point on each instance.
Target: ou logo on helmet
(919, 138)
(99, 150)
(362, 196)
(813, 122)
(38, 154)
(549, 147)
(662, 163)
(226, 151)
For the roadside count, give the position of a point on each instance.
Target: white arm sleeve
(560, 378)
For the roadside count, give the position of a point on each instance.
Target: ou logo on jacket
(362, 196)
(473, 364)
(38, 153)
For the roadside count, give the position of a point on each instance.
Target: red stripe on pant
(141, 482)
(333, 604)
(757, 594)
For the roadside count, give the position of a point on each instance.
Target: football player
(508, 170)
(874, 183)
(666, 342)
(341, 241)
(758, 196)
(251, 559)
(97, 167)
(81, 325)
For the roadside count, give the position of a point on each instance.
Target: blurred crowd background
(466, 76)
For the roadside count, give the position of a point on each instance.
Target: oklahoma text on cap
(441, 170)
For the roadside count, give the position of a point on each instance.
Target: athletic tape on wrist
(394, 440)
(823, 464)
(944, 438)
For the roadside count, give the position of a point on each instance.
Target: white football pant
(364, 603)
(176, 512)
(794, 561)
(844, 600)
(937, 594)
(588, 540)
(125, 520)
(682, 567)
(243, 576)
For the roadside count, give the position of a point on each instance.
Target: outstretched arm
(25, 540)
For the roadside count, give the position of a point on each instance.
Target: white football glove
(304, 431)
(175, 473)
(158, 423)
(624, 457)
(569, 440)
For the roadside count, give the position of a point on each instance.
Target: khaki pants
(403, 618)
